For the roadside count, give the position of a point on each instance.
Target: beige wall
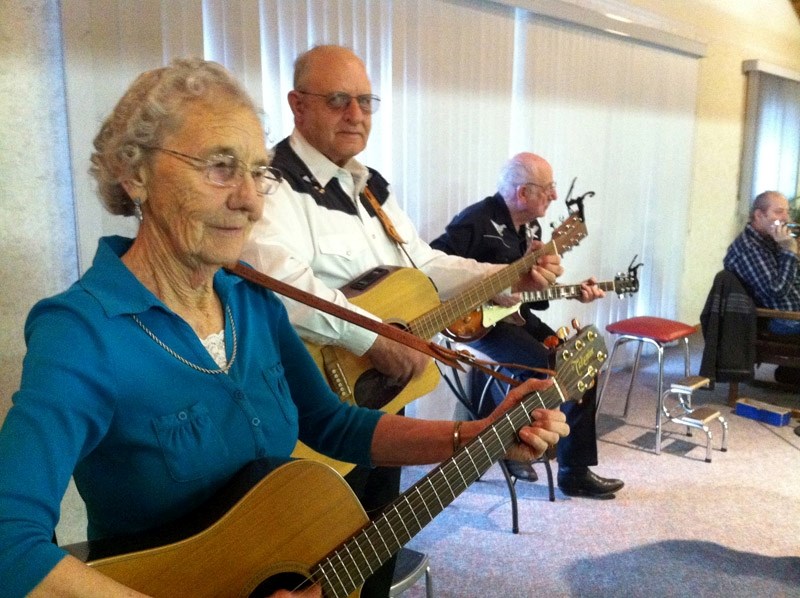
(735, 31)
(37, 228)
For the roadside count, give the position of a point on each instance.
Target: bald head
(523, 168)
(318, 57)
(526, 184)
(340, 133)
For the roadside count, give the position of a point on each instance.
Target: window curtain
(464, 85)
(774, 103)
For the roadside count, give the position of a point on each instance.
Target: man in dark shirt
(764, 257)
(501, 229)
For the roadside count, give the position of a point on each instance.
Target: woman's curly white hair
(152, 107)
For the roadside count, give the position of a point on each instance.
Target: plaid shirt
(769, 272)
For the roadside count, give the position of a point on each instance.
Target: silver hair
(151, 108)
(515, 172)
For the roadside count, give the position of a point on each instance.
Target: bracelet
(457, 435)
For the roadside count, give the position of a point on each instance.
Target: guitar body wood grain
(285, 524)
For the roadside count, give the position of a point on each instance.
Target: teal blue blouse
(147, 437)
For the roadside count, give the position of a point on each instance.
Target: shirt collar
(324, 169)
(119, 292)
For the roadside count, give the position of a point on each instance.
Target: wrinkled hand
(543, 274)
(395, 360)
(590, 291)
(548, 424)
(780, 232)
(507, 299)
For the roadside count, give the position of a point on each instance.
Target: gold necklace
(185, 361)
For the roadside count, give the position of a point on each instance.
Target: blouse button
(255, 421)
(183, 415)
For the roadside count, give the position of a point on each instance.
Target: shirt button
(183, 415)
(238, 395)
(255, 421)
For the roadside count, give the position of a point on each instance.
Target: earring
(137, 209)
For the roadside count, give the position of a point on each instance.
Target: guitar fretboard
(428, 324)
(347, 567)
(563, 291)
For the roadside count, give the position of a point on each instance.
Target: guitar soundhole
(374, 390)
(282, 581)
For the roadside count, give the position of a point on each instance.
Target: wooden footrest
(701, 415)
(690, 384)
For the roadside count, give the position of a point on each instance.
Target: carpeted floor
(680, 527)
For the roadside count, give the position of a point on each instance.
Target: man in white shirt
(320, 231)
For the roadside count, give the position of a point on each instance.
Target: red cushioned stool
(657, 332)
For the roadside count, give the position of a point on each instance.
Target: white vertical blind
(777, 148)
(771, 148)
(464, 84)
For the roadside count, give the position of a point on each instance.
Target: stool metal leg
(707, 430)
(633, 374)
(602, 392)
(660, 395)
(512, 491)
(724, 424)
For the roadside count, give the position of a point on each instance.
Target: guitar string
(504, 430)
(400, 510)
(439, 318)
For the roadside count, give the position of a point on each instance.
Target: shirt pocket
(342, 246)
(190, 443)
(278, 389)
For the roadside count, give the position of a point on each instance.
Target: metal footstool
(676, 406)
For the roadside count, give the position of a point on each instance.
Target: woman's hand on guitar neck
(395, 360)
(549, 425)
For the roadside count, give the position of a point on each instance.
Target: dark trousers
(522, 345)
(375, 488)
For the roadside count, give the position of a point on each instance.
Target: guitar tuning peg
(562, 333)
(576, 325)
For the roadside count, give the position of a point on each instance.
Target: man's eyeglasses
(224, 170)
(548, 187)
(339, 100)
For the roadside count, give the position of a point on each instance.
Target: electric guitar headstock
(627, 283)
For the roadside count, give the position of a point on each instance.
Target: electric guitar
(302, 522)
(407, 298)
(477, 323)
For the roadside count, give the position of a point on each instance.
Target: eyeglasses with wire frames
(339, 100)
(224, 170)
(547, 188)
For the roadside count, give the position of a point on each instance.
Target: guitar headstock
(578, 361)
(625, 284)
(628, 283)
(569, 233)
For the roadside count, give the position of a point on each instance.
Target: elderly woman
(158, 375)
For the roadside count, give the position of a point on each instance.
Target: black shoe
(522, 470)
(584, 482)
(797, 430)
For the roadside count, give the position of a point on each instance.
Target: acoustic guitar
(407, 298)
(477, 323)
(302, 522)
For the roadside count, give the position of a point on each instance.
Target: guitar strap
(447, 356)
(391, 231)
